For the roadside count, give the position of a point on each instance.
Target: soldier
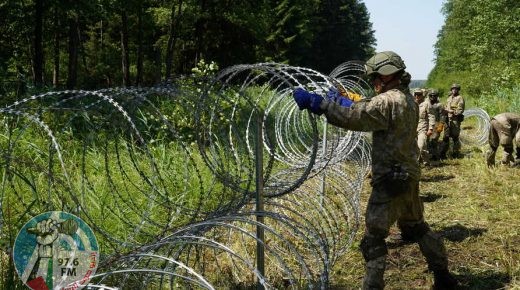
(392, 116)
(504, 131)
(455, 110)
(424, 127)
(437, 108)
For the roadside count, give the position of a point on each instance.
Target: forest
(62, 44)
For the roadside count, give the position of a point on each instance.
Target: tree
(479, 45)
(345, 34)
(38, 46)
(339, 30)
(176, 15)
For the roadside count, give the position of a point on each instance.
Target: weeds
(477, 211)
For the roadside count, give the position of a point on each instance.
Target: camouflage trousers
(422, 143)
(451, 131)
(433, 145)
(405, 208)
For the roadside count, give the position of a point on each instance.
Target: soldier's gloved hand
(308, 100)
(335, 96)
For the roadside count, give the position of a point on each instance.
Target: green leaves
(479, 45)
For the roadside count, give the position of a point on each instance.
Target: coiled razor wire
(475, 128)
(165, 176)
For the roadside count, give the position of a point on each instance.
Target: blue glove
(307, 100)
(335, 96)
(345, 102)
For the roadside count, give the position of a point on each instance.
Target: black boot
(444, 280)
(445, 145)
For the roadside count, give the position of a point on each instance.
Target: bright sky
(410, 28)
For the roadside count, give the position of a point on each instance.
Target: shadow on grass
(458, 233)
(488, 280)
(430, 196)
(437, 177)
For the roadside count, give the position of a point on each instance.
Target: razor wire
(475, 128)
(172, 198)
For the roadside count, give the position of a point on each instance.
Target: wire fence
(166, 176)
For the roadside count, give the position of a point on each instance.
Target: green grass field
(475, 209)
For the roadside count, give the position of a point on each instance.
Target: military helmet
(418, 92)
(455, 86)
(384, 63)
(433, 92)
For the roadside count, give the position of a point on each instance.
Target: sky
(409, 28)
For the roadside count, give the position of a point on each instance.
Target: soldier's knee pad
(373, 247)
(415, 232)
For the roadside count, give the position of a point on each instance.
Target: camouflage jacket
(455, 103)
(426, 117)
(437, 111)
(392, 116)
(508, 123)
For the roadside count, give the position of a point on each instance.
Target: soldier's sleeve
(460, 106)
(431, 117)
(371, 115)
(446, 105)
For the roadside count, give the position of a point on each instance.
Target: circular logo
(55, 250)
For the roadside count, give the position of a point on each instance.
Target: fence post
(259, 142)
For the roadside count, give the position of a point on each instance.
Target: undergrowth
(475, 209)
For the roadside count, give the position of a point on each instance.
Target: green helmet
(455, 86)
(384, 63)
(418, 92)
(433, 92)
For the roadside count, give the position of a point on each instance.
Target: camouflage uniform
(393, 118)
(426, 123)
(454, 103)
(504, 131)
(433, 142)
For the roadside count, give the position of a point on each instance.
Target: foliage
(499, 101)
(183, 31)
(321, 38)
(478, 46)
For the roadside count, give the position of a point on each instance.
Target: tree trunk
(38, 47)
(73, 52)
(172, 38)
(139, 76)
(124, 49)
(157, 60)
(56, 50)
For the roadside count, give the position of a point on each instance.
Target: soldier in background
(455, 109)
(504, 131)
(425, 126)
(437, 109)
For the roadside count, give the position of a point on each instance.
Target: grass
(477, 211)
(475, 208)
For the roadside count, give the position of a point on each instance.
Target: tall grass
(477, 211)
(498, 101)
